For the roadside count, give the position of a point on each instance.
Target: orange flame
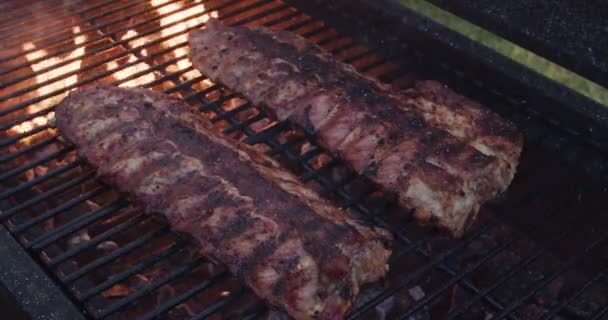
(185, 23)
(135, 68)
(51, 80)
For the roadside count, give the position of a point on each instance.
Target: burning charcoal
(30, 174)
(41, 170)
(80, 237)
(321, 161)
(117, 291)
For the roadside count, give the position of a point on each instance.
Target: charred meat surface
(291, 247)
(438, 152)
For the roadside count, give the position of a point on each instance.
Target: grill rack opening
(115, 262)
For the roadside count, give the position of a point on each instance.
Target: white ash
(52, 121)
(107, 246)
(416, 293)
(139, 281)
(92, 205)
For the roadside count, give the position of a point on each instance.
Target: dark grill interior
(540, 252)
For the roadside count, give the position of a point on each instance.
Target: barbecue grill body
(539, 252)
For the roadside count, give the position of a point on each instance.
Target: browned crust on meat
(363, 122)
(291, 247)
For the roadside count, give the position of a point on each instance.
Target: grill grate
(115, 262)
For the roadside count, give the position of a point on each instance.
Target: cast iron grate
(115, 262)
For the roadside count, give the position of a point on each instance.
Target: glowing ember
(123, 73)
(54, 79)
(185, 23)
(50, 77)
(117, 291)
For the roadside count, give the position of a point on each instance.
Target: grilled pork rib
(291, 247)
(437, 152)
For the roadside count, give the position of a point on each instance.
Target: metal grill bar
(21, 105)
(487, 257)
(85, 31)
(393, 75)
(51, 174)
(553, 312)
(70, 227)
(10, 7)
(12, 140)
(445, 286)
(19, 170)
(177, 273)
(64, 256)
(33, 147)
(284, 18)
(600, 315)
(433, 263)
(42, 197)
(217, 306)
(511, 271)
(83, 82)
(50, 32)
(104, 47)
(135, 269)
(105, 260)
(374, 64)
(255, 312)
(300, 24)
(168, 305)
(91, 79)
(15, 26)
(565, 266)
(57, 210)
(266, 136)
